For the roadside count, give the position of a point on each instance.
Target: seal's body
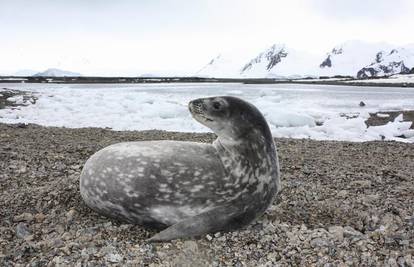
(191, 188)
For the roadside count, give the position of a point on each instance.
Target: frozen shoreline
(318, 112)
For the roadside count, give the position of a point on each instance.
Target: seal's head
(229, 117)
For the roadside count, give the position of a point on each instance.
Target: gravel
(342, 204)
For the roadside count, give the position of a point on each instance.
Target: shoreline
(341, 80)
(351, 198)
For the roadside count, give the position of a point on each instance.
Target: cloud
(367, 10)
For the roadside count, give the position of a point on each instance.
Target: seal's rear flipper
(220, 218)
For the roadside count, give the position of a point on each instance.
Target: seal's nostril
(196, 106)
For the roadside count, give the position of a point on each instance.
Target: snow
(57, 73)
(398, 78)
(223, 66)
(346, 59)
(382, 115)
(293, 64)
(19, 100)
(323, 80)
(392, 62)
(292, 110)
(12, 79)
(351, 56)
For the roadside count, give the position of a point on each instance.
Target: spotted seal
(187, 188)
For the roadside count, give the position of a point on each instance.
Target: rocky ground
(342, 204)
(14, 98)
(381, 118)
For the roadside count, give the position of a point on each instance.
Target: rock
(190, 245)
(351, 232)
(66, 250)
(24, 217)
(337, 232)
(273, 257)
(70, 215)
(113, 257)
(60, 229)
(22, 231)
(342, 193)
(409, 260)
(391, 262)
(87, 252)
(39, 217)
(318, 242)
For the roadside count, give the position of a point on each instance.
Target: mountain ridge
(351, 58)
(54, 72)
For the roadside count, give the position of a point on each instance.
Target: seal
(186, 188)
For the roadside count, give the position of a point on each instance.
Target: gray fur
(189, 188)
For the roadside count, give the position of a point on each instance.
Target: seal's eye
(216, 105)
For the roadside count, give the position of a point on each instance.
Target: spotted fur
(189, 188)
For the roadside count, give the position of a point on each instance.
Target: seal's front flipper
(220, 218)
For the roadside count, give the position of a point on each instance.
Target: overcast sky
(107, 37)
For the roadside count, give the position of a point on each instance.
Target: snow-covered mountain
(396, 61)
(280, 61)
(223, 66)
(276, 61)
(352, 58)
(57, 73)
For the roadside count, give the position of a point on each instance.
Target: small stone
(86, 252)
(60, 229)
(29, 238)
(392, 262)
(351, 232)
(273, 256)
(190, 245)
(401, 261)
(57, 243)
(318, 242)
(409, 260)
(405, 242)
(70, 215)
(39, 217)
(23, 169)
(113, 257)
(66, 250)
(22, 230)
(67, 236)
(342, 193)
(24, 217)
(337, 232)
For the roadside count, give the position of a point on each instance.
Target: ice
(16, 99)
(320, 112)
(382, 115)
